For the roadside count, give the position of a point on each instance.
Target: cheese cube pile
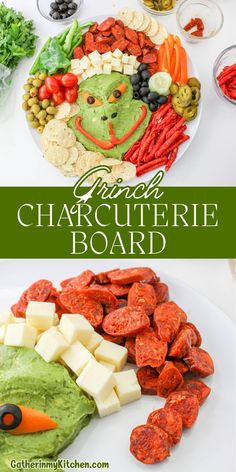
(40, 315)
(127, 386)
(20, 335)
(76, 357)
(96, 64)
(75, 327)
(111, 353)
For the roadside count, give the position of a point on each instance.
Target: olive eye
(91, 100)
(117, 93)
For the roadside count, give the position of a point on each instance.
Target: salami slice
(134, 49)
(180, 365)
(150, 350)
(131, 35)
(167, 320)
(149, 444)
(80, 281)
(84, 305)
(181, 344)
(143, 295)
(103, 277)
(101, 294)
(107, 24)
(199, 362)
(118, 32)
(198, 338)
(130, 346)
(186, 404)
(39, 292)
(121, 44)
(168, 420)
(147, 379)
(129, 276)
(199, 388)
(169, 380)
(127, 321)
(122, 302)
(162, 292)
(118, 290)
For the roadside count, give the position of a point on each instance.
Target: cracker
(63, 111)
(126, 171)
(109, 161)
(56, 155)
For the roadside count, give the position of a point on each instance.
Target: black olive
(63, 7)
(71, 12)
(72, 6)
(144, 83)
(136, 96)
(54, 6)
(142, 67)
(90, 100)
(136, 87)
(145, 75)
(114, 115)
(67, 1)
(162, 99)
(51, 12)
(153, 96)
(15, 412)
(153, 106)
(59, 1)
(64, 16)
(104, 118)
(56, 15)
(145, 100)
(117, 93)
(135, 79)
(144, 91)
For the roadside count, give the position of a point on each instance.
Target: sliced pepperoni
(131, 35)
(186, 404)
(150, 58)
(130, 346)
(100, 294)
(128, 276)
(119, 290)
(182, 343)
(39, 292)
(147, 379)
(149, 43)
(127, 321)
(198, 338)
(162, 292)
(143, 295)
(103, 277)
(122, 302)
(80, 281)
(120, 23)
(134, 49)
(102, 48)
(199, 388)
(150, 350)
(78, 52)
(102, 39)
(149, 444)
(169, 380)
(118, 32)
(93, 28)
(180, 365)
(167, 320)
(107, 24)
(168, 420)
(84, 305)
(199, 362)
(89, 42)
(141, 39)
(121, 44)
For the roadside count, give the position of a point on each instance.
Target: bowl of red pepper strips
(198, 20)
(224, 74)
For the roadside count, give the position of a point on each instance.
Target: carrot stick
(170, 40)
(33, 421)
(177, 41)
(167, 54)
(183, 67)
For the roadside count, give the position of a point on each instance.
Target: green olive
(194, 82)
(26, 97)
(30, 80)
(190, 113)
(174, 88)
(196, 95)
(40, 129)
(42, 122)
(185, 95)
(35, 109)
(37, 83)
(32, 101)
(42, 76)
(176, 100)
(42, 115)
(37, 74)
(166, 4)
(27, 87)
(45, 103)
(33, 92)
(30, 116)
(25, 106)
(35, 124)
(51, 110)
(49, 118)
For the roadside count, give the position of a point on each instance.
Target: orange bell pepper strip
(33, 421)
(167, 54)
(183, 67)
(178, 41)
(170, 40)
(160, 58)
(176, 73)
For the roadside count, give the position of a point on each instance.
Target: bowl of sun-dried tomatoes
(199, 20)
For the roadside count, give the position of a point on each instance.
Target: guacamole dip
(26, 379)
(106, 101)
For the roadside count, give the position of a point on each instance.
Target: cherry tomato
(71, 94)
(58, 77)
(78, 53)
(58, 97)
(69, 80)
(52, 84)
(43, 93)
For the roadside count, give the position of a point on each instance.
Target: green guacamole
(123, 114)
(26, 379)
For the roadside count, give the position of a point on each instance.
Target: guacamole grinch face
(109, 121)
(26, 379)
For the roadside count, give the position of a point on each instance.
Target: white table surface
(213, 278)
(210, 160)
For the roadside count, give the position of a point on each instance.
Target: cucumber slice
(160, 83)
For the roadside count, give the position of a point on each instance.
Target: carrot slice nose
(33, 421)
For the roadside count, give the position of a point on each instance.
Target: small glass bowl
(226, 58)
(44, 9)
(159, 12)
(209, 12)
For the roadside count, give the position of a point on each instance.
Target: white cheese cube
(51, 345)
(125, 59)
(108, 366)
(76, 357)
(75, 64)
(96, 380)
(75, 327)
(107, 68)
(84, 76)
(95, 58)
(93, 342)
(19, 320)
(77, 71)
(40, 315)
(115, 63)
(112, 353)
(127, 386)
(98, 70)
(90, 72)
(20, 335)
(128, 69)
(107, 57)
(108, 406)
(117, 53)
(3, 329)
(6, 317)
(132, 60)
(85, 63)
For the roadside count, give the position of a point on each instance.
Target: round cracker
(45, 142)
(68, 170)
(66, 138)
(153, 28)
(146, 23)
(137, 20)
(73, 155)
(126, 171)
(160, 37)
(74, 109)
(53, 129)
(109, 161)
(56, 154)
(63, 111)
(125, 15)
(93, 159)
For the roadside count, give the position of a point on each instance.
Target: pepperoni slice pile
(131, 307)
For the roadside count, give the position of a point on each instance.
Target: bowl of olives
(59, 11)
(159, 7)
